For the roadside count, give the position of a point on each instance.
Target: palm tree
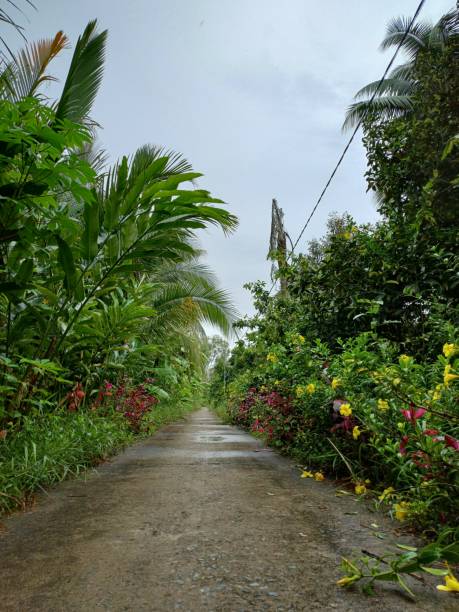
(27, 70)
(393, 97)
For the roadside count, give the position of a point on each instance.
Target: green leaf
(434, 571)
(91, 229)
(65, 258)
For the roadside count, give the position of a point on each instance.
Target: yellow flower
(307, 474)
(437, 393)
(404, 360)
(386, 493)
(319, 476)
(401, 510)
(310, 388)
(451, 584)
(347, 580)
(345, 410)
(272, 357)
(383, 405)
(396, 382)
(300, 339)
(336, 382)
(356, 432)
(347, 235)
(277, 383)
(449, 349)
(447, 376)
(300, 391)
(360, 489)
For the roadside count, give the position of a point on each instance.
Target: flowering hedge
(388, 423)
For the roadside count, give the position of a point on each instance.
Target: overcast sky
(252, 92)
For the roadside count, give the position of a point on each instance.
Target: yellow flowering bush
(450, 349)
(402, 510)
(335, 383)
(383, 404)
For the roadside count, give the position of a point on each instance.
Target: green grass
(168, 412)
(221, 411)
(49, 448)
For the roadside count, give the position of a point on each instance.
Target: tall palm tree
(394, 96)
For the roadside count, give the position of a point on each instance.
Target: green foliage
(354, 367)
(396, 565)
(50, 447)
(397, 95)
(101, 286)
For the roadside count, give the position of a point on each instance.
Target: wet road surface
(199, 517)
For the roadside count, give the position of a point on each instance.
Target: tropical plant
(393, 97)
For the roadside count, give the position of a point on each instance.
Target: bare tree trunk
(278, 243)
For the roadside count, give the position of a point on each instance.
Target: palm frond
(414, 38)
(194, 299)
(388, 87)
(386, 107)
(404, 72)
(6, 17)
(27, 70)
(147, 154)
(84, 76)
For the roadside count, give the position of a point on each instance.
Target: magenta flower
(452, 442)
(413, 413)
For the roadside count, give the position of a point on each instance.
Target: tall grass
(51, 447)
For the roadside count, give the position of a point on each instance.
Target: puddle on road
(160, 452)
(231, 438)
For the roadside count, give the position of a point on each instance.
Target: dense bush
(102, 292)
(363, 413)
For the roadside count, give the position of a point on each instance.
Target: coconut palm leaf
(389, 87)
(386, 107)
(414, 38)
(188, 294)
(393, 97)
(8, 19)
(84, 76)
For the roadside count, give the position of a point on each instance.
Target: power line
(356, 129)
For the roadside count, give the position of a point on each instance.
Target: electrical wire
(356, 129)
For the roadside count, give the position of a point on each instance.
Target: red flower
(452, 442)
(403, 443)
(431, 432)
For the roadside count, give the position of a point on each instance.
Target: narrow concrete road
(199, 517)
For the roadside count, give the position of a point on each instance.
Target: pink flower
(413, 413)
(452, 442)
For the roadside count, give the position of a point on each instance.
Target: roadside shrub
(50, 447)
(366, 414)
